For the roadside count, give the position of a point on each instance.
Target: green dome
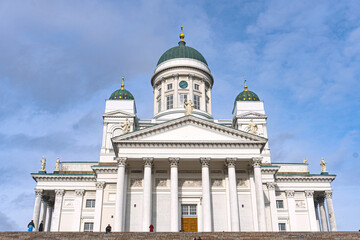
(121, 94)
(181, 51)
(247, 95)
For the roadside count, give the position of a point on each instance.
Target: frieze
(68, 203)
(189, 182)
(161, 182)
(217, 182)
(241, 182)
(300, 204)
(135, 182)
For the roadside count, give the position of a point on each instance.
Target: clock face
(183, 84)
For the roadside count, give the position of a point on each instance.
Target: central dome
(181, 51)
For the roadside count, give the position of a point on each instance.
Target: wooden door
(189, 224)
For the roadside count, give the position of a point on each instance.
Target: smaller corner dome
(247, 95)
(122, 93)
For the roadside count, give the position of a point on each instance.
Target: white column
(210, 101)
(228, 209)
(273, 209)
(147, 199)
(55, 222)
(234, 206)
(120, 188)
(79, 193)
(36, 213)
(206, 203)
(103, 145)
(311, 210)
(43, 212)
(176, 87)
(163, 99)
(98, 206)
(191, 87)
(174, 221)
(330, 208)
(49, 210)
(324, 223)
(253, 203)
(260, 202)
(291, 209)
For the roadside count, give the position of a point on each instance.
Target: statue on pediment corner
(43, 163)
(126, 126)
(323, 165)
(305, 160)
(189, 107)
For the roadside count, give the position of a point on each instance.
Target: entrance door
(189, 218)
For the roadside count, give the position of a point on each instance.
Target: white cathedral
(183, 170)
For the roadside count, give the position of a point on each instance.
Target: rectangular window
(169, 102)
(90, 203)
(282, 227)
(88, 227)
(197, 87)
(183, 98)
(169, 86)
(159, 105)
(196, 102)
(188, 210)
(279, 204)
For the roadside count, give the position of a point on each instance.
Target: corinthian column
(272, 198)
(49, 209)
(147, 203)
(330, 207)
(55, 222)
(98, 205)
(79, 193)
(324, 223)
(36, 213)
(234, 207)
(43, 211)
(311, 209)
(291, 208)
(260, 202)
(206, 203)
(174, 162)
(120, 191)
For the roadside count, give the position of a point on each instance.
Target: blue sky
(60, 60)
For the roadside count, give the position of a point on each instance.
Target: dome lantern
(247, 95)
(122, 93)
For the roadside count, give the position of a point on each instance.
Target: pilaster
(206, 202)
(98, 205)
(260, 202)
(311, 210)
(55, 222)
(273, 209)
(79, 194)
(291, 209)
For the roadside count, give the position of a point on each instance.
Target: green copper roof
(121, 94)
(247, 95)
(181, 51)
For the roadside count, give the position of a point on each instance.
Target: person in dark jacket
(108, 228)
(31, 226)
(41, 226)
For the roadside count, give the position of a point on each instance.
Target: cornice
(304, 178)
(189, 144)
(64, 178)
(104, 169)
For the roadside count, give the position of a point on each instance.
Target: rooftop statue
(43, 163)
(126, 126)
(57, 165)
(322, 164)
(189, 107)
(305, 161)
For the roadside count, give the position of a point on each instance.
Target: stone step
(180, 236)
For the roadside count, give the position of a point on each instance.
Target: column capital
(205, 161)
(79, 192)
(39, 192)
(100, 185)
(290, 193)
(309, 194)
(270, 185)
(148, 161)
(121, 161)
(328, 194)
(59, 192)
(174, 161)
(256, 162)
(230, 162)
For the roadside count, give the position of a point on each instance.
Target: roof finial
(182, 36)
(122, 85)
(245, 87)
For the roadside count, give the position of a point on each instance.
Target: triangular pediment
(190, 129)
(252, 115)
(119, 114)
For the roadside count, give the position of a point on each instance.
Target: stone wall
(180, 236)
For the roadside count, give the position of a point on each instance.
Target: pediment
(252, 115)
(119, 114)
(190, 129)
